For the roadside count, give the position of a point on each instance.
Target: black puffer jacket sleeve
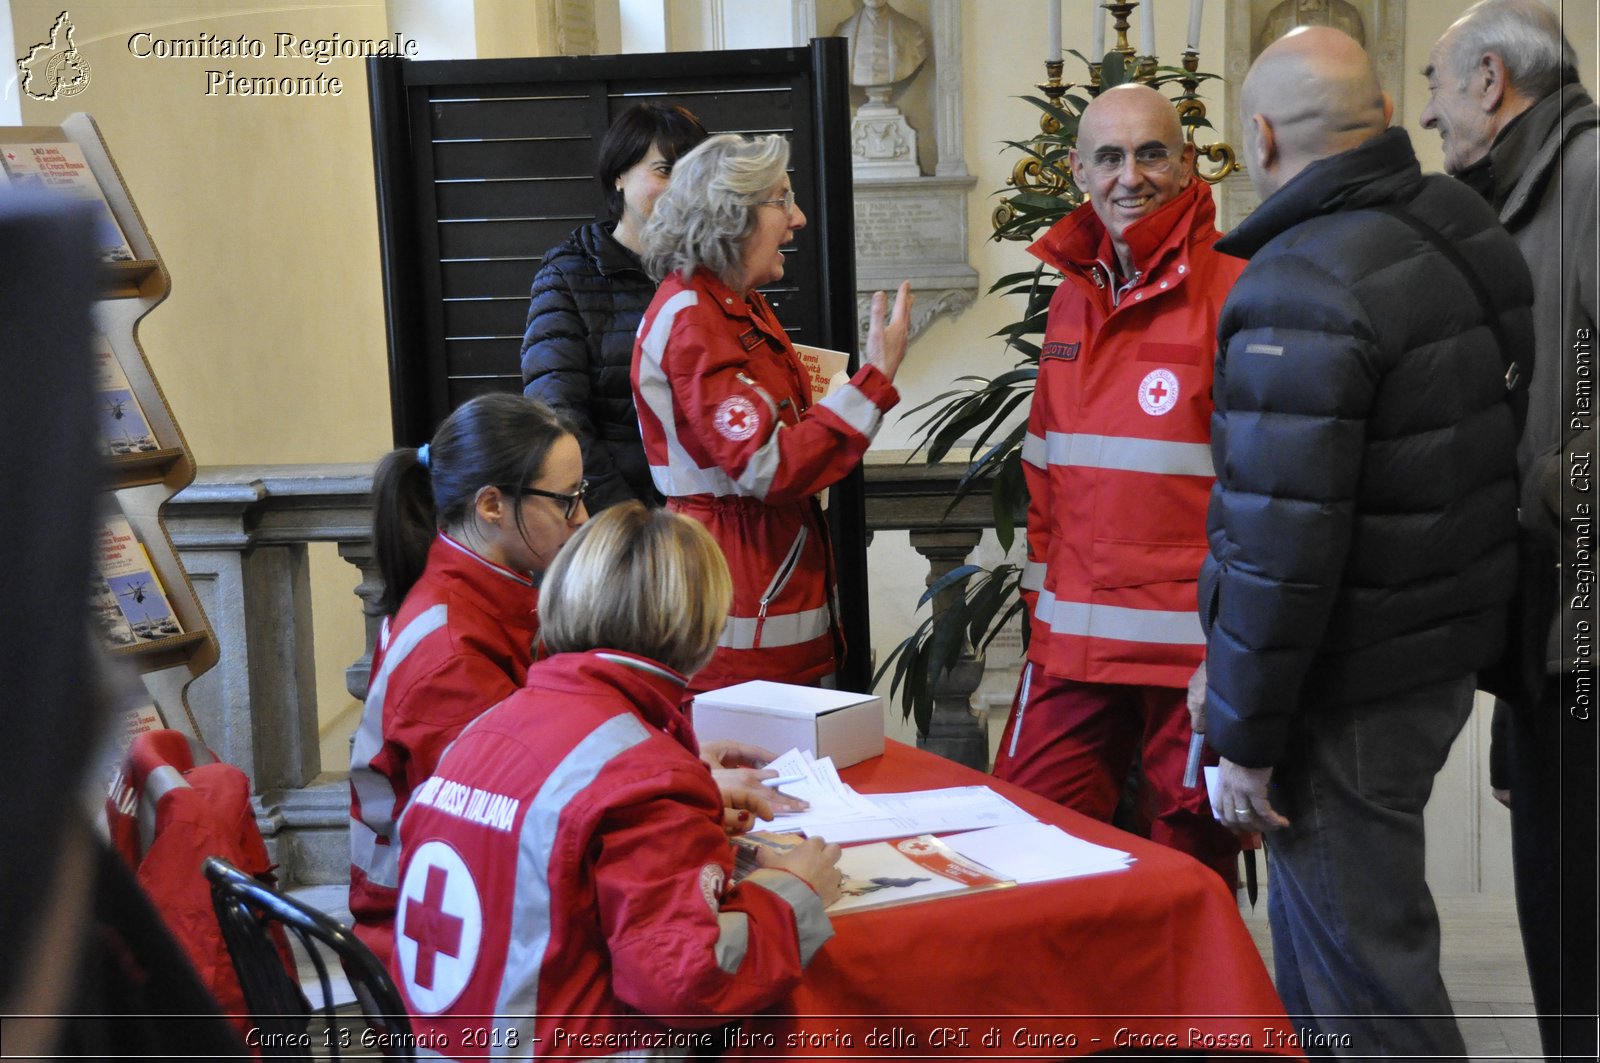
(577, 351)
(1283, 507)
(555, 352)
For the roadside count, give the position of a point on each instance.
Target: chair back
(245, 910)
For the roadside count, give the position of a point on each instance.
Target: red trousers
(1075, 743)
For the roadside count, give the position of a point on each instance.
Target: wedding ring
(1241, 811)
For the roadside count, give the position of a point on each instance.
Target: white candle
(1147, 29)
(1194, 26)
(1097, 46)
(1055, 32)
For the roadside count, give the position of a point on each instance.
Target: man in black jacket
(1519, 129)
(1363, 531)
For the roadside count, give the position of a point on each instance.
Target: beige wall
(271, 346)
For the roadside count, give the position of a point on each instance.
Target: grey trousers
(1355, 935)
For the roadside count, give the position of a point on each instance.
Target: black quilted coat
(577, 350)
(1364, 519)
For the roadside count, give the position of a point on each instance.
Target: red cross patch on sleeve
(736, 418)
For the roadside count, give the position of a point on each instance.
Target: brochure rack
(138, 483)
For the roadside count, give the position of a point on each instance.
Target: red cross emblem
(1158, 392)
(438, 927)
(736, 418)
(432, 928)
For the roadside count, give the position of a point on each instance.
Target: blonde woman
(567, 866)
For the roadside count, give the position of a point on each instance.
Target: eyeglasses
(1109, 162)
(571, 502)
(787, 202)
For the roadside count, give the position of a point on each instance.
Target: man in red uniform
(1118, 465)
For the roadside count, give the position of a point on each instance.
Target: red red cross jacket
(1117, 456)
(565, 875)
(461, 642)
(172, 805)
(734, 441)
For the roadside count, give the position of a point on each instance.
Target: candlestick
(1194, 25)
(1147, 29)
(1054, 55)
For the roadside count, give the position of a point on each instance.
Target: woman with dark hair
(588, 869)
(733, 435)
(589, 295)
(463, 529)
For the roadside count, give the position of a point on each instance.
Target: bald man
(1118, 473)
(1363, 531)
(1518, 128)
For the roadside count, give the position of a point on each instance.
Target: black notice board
(482, 165)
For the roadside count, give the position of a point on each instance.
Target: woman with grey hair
(733, 432)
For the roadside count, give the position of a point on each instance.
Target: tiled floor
(1481, 959)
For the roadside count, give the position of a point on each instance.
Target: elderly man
(1518, 127)
(1363, 531)
(1118, 472)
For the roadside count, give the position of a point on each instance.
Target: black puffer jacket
(577, 352)
(1363, 523)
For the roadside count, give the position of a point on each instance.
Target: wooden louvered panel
(530, 197)
(486, 355)
(473, 278)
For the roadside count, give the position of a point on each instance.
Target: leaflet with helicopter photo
(123, 426)
(126, 598)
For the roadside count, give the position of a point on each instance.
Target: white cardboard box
(780, 716)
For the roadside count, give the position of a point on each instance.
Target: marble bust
(886, 46)
(1340, 14)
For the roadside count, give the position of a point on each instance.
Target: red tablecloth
(1154, 956)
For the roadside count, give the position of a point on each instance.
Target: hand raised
(886, 342)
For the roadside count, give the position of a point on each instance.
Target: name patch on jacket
(1067, 352)
(751, 340)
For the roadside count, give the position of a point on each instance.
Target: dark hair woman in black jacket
(589, 295)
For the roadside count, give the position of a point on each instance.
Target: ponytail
(403, 524)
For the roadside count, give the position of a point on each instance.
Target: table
(1154, 957)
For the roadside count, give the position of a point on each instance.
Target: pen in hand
(783, 780)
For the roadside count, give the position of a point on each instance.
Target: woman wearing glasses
(730, 429)
(463, 529)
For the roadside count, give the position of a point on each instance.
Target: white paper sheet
(840, 814)
(1037, 852)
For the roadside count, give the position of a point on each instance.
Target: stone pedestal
(882, 142)
(953, 733)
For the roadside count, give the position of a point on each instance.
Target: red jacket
(734, 441)
(565, 874)
(165, 814)
(461, 642)
(1117, 456)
